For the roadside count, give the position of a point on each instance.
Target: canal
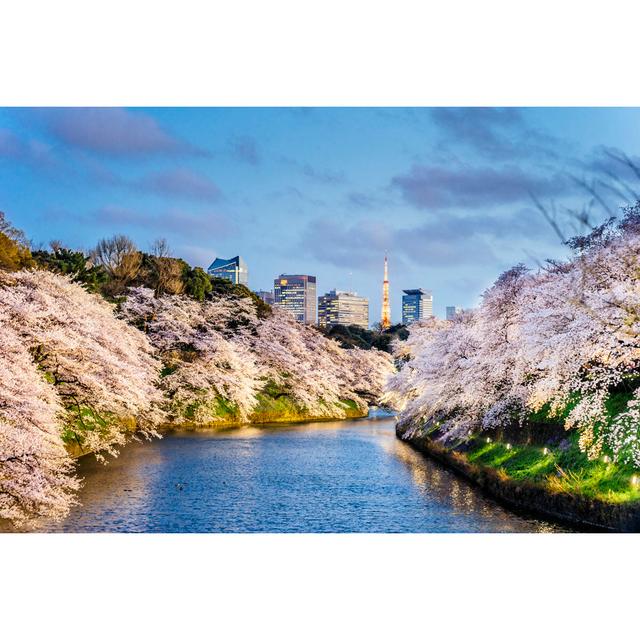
(346, 476)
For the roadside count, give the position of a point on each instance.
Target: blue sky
(447, 192)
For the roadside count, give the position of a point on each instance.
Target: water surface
(346, 476)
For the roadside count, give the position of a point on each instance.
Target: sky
(448, 193)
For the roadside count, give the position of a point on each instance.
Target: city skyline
(340, 306)
(448, 192)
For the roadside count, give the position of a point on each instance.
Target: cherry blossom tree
(103, 370)
(205, 360)
(430, 385)
(583, 343)
(562, 340)
(36, 472)
(220, 351)
(75, 372)
(314, 370)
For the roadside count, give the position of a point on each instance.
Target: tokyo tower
(385, 321)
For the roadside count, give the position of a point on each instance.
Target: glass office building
(417, 304)
(233, 269)
(343, 307)
(296, 294)
(452, 312)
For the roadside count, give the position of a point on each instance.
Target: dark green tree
(197, 283)
(350, 336)
(74, 264)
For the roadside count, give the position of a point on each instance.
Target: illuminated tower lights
(385, 320)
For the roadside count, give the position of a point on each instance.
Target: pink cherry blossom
(563, 338)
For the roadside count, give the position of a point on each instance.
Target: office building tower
(343, 307)
(417, 304)
(233, 269)
(296, 294)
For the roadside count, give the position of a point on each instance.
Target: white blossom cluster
(35, 470)
(74, 371)
(562, 340)
(220, 349)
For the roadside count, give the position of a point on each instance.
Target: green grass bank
(539, 468)
(271, 408)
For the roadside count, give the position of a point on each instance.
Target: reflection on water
(438, 484)
(347, 476)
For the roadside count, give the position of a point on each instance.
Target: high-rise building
(297, 294)
(343, 307)
(385, 317)
(233, 269)
(266, 296)
(417, 304)
(452, 312)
